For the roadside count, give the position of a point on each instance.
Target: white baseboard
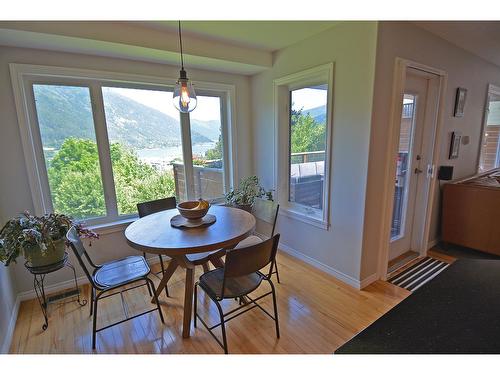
(53, 288)
(7, 339)
(328, 269)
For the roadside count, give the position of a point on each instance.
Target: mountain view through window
(144, 143)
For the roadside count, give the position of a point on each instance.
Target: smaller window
(490, 147)
(304, 130)
(307, 145)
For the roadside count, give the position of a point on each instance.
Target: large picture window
(99, 146)
(303, 144)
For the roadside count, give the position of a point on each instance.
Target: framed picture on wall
(460, 102)
(455, 145)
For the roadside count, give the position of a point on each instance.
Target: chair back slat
(151, 207)
(76, 245)
(247, 260)
(266, 214)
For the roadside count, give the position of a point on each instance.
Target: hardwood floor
(317, 314)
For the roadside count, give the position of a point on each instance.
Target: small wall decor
(460, 102)
(455, 145)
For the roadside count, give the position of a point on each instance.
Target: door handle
(418, 171)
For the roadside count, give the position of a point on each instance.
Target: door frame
(399, 80)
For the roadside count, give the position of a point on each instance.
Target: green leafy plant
(248, 190)
(36, 232)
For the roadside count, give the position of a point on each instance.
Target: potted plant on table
(244, 196)
(41, 239)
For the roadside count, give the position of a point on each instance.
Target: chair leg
(149, 282)
(94, 321)
(161, 265)
(195, 307)
(275, 309)
(149, 290)
(277, 273)
(92, 296)
(163, 274)
(223, 327)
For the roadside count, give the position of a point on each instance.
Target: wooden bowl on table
(193, 210)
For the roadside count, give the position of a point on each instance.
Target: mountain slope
(66, 112)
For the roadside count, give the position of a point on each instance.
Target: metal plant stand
(39, 274)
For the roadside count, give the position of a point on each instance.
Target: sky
(208, 108)
(308, 98)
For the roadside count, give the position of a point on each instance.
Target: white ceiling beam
(119, 39)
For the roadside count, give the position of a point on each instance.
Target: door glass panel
(490, 148)
(145, 144)
(70, 150)
(402, 180)
(308, 114)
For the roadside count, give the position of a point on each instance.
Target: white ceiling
(264, 35)
(243, 47)
(481, 38)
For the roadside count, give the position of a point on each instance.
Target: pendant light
(184, 95)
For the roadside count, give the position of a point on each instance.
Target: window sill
(112, 227)
(319, 223)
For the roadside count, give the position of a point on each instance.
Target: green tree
(75, 179)
(306, 133)
(216, 152)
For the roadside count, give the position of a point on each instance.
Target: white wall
(351, 46)
(15, 195)
(8, 293)
(405, 40)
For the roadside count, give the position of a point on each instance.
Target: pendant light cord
(180, 42)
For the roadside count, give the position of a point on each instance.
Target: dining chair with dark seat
(151, 207)
(239, 277)
(111, 276)
(266, 214)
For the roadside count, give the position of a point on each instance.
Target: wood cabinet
(471, 212)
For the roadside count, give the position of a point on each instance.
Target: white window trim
(23, 76)
(282, 86)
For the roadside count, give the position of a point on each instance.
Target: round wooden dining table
(154, 234)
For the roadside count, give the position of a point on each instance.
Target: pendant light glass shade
(184, 94)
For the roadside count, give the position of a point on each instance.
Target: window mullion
(227, 163)
(104, 151)
(187, 155)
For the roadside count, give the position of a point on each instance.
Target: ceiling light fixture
(184, 95)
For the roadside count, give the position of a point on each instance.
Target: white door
(414, 160)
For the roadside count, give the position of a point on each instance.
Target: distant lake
(172, 152)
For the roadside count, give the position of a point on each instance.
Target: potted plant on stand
(41, 239)
(244, 196)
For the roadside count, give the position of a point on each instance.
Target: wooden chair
(239, 277)
(111, 276)
(151, 207)
(266, 215)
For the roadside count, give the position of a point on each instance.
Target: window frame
(323, 74)
(24, 76)
(492, 90)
